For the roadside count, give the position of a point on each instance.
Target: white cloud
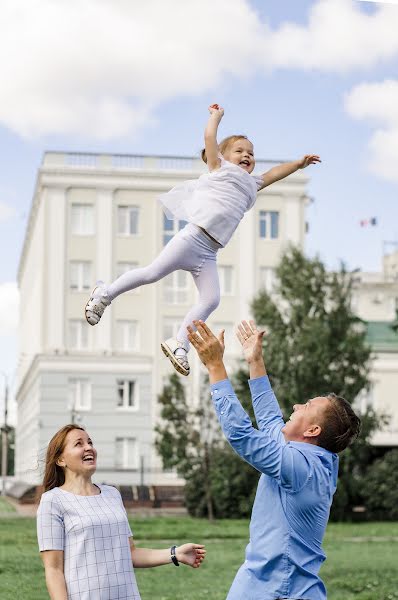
(100, 68)
(378, 104)
(9, 307)
(381, 1)
(338, 37)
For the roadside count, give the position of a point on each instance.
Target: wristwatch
(173, 556)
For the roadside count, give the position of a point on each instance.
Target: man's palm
(251, 340)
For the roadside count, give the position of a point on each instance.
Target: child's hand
(309, 159)
(214, 109)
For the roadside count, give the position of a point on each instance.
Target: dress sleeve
(50, 524)
(259, 181)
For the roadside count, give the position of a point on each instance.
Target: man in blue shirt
(298, 463)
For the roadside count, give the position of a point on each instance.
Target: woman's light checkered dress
(93, 532)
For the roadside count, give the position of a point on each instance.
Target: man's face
(306, 420)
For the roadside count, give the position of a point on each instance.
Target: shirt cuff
(259, 384)
(221, 389)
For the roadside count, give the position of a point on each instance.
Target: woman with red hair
(84, 536)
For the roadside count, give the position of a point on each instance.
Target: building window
(127, 339)
(127, 394)
(171, 325)
(269, 224)
(226, 280)
(123, 267)
(127, 220)
(170, 228)
(79, 394)
(126, 453)
(175, 288)
(267, 279)
(80, 276)
(82, 219)
(78, 334)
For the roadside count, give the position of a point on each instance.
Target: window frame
(126, 233)
(81, 232)
(135, 395)
(124, 466)
(75, 394)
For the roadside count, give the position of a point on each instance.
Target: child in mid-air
(213, 205)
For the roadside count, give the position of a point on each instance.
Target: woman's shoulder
(50, 495)
(49, 501)
(109, 490)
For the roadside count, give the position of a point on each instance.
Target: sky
(296, 76)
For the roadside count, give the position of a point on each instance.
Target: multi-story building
(94, 217)
(376, 301)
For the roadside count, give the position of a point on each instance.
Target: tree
(315, 344)
(10, 450)
(380, 487)
(181, 441)
(190, 440)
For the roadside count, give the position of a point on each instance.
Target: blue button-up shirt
(292, 503)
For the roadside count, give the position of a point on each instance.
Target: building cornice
(64, 170)
(102, 363)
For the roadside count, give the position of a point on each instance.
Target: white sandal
(180, 363)
(96, 304)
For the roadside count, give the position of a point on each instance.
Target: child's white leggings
(189, 250)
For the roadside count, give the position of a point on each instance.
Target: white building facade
(94, 217)
(376, 301)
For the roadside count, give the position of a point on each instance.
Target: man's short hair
(340, 426)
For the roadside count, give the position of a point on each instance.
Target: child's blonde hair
(223, 145)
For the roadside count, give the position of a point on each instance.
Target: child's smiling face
(241, 153)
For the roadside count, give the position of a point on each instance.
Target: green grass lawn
(6, 507)
(355, 570)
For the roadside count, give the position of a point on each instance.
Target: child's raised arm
(285, 169)
(211, 146)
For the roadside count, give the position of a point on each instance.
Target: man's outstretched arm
(266, 408)
(258, 448)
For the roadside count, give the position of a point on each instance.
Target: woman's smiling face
(79, 455)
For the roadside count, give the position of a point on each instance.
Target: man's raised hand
(210, 350)
(251, 339)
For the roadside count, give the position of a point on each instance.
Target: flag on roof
(365, 222)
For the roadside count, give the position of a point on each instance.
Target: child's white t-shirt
(93, 532)
(217, 201)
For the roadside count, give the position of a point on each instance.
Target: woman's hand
(191, 554)
(218, 111)
(308, 159)
(251, 340)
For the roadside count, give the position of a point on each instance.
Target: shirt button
(215, 391)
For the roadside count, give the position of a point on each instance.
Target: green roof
(381, 336)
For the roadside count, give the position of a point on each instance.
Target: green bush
(380, 488)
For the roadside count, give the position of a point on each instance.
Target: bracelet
(173, 556)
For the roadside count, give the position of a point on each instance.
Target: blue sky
(314, 76)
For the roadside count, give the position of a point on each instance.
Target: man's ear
(313, 431)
